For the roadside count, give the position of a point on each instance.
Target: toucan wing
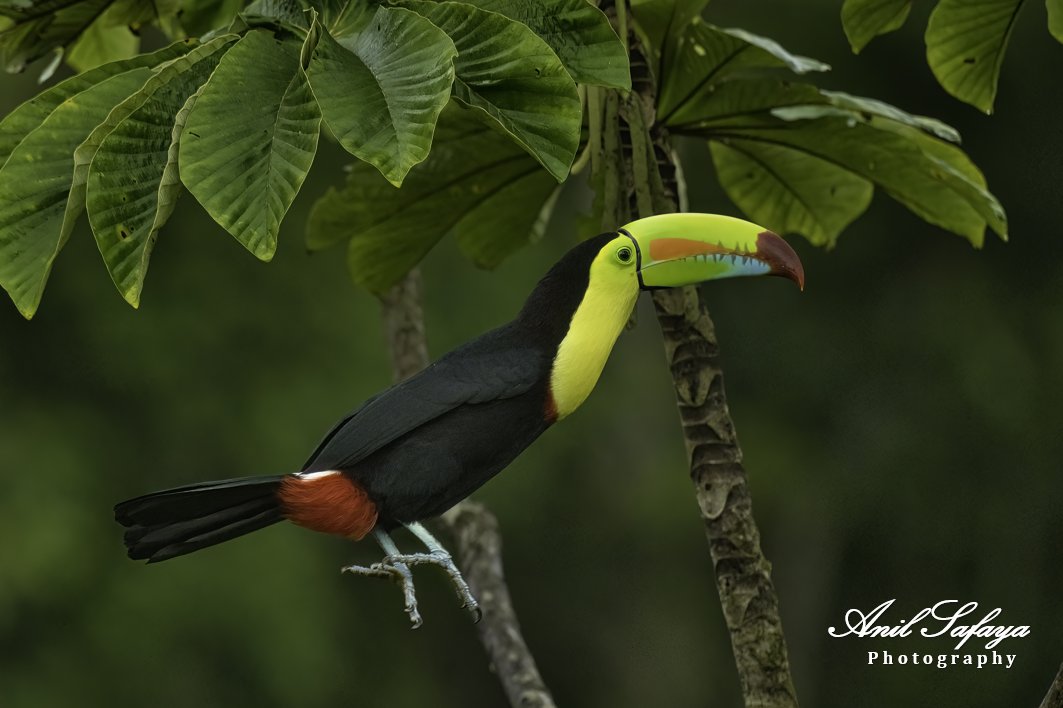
(486, 369)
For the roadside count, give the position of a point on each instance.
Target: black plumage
(425, 444)
(417, 448)
(176, 521)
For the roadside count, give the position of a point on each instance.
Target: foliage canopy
(965, 39)
(475, 109)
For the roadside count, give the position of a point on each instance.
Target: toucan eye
(624, 254)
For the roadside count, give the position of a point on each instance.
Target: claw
(399, 572)
(443, 560)
(396, 565)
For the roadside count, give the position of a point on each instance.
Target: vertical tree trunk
(743, 574)
(474, 528)
(646, 168)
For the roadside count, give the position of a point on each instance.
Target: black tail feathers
(176, 521)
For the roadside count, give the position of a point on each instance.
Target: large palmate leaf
(130, 185)
(662, 23)
(477, 184)
(250, 140)
(578, 32)
(790, 190)
(35, 180)
(381, 90)
(1055, 18)
(800, 159)
(953, 167)
(894, 156)
(863, 20)
(709, 55)
(965, 45)
(510, 74)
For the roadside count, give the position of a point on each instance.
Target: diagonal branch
(479, 547)
(474, 528)
(1054, 697)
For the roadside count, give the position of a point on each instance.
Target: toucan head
(672, 250)
(587, 297)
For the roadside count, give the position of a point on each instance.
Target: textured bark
(1054, 697)
(479, 547)
(647, 167)
(400, 308)
(474, 528)
(743, 574)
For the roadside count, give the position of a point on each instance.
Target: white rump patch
(310, 476)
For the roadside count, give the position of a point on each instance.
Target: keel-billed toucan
(416, 449)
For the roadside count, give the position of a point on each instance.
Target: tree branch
(480, 557)
(1054, 697)
(474, 528)
(400, 308)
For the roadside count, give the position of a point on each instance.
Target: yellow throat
(606, 306)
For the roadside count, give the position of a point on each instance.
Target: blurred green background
(901, 423)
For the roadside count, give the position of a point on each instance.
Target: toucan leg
(439, 556)
(392, 567)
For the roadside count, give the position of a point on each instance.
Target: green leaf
(343, 17)
(662, 23)
(1055, 18)
(200, 16)
(32, 113)
(128, 191)
(43, 26)
(506, 71)
(708, 56)
(732, 102)
(35, 180)
(381, 90)
(40, 26)
(965, 44)
(513, 216)
(790, 191)
(863, 20)
(105, 40)
(578, 32)
(869, 107)
(284, 12)
(251, 139)
(897, 165)
(953, 167)
(735, 100)
(477, 184)
(899, 153)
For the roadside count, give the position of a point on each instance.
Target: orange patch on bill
(664, 249)
(329, 502)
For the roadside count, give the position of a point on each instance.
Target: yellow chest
(595, 326)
